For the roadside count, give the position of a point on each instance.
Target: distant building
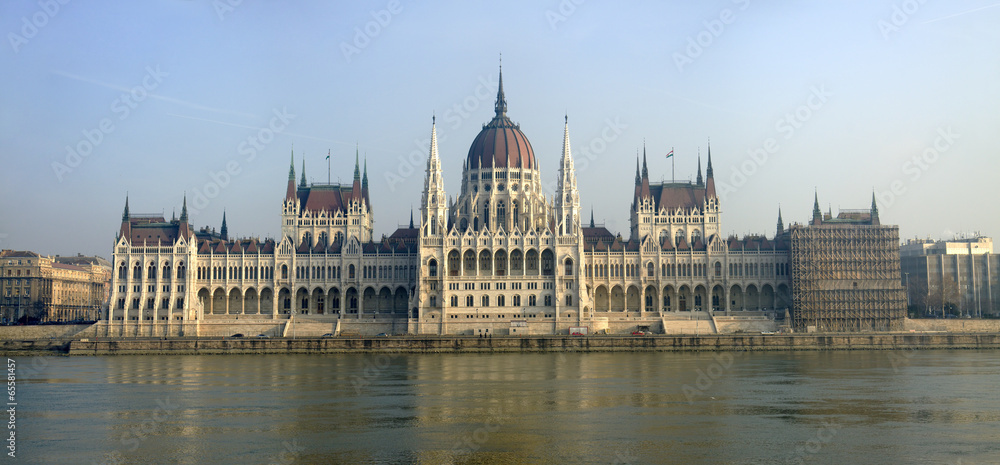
(40, 289)
(957, 277)
(846, 273)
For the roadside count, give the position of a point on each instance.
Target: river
(837, 407)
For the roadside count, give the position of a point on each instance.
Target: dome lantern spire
(501, 104)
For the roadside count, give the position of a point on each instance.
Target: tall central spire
(501, 105)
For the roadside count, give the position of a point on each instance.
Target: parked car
(262, 336)
(382, 335)
(237, 335)
(327, 335)
(638, 333)
(577, 334)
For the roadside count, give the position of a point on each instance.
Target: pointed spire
(184, 210)
(291, 166)
(356, 192)
(875, 219)
(411, 217)
(364, 179)
(592, 217)
(501, 104)
(434, 141)
(125, 213)
(781, 224)
(357, 170)
(700, 181)
(224, 232)
(645, 172)
(302, 182)
(567, 157)
(638, 178)
(817, 214)
(710, 181)
(364, 186)
(708, 171)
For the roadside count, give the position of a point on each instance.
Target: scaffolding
(846, 278)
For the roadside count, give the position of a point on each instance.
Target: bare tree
(950, 296)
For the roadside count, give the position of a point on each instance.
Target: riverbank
(453, 344)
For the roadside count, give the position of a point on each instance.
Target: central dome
(501, 144)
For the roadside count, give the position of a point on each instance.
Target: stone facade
(957, 277)
(499, 258)
(42, 289)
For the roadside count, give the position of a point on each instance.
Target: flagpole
(328, 180)
(672, 157)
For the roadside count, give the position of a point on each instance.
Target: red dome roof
(501, 144)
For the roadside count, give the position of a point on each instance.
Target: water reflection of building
(959, 276)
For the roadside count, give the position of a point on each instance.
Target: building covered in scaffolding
(846, 273)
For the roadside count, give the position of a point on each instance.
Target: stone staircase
(304, 326)
(688, 323)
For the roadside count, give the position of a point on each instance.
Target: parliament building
(498, 257)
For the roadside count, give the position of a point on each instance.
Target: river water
(843, 407)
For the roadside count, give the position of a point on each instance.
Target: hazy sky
(159, 98)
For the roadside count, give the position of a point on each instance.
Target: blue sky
(157, 99)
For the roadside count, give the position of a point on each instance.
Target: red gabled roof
(632, 245)
(303, 248)
(598, 235)
(734, 243)
(674, 195)
(699, 245)
(64, 266)
(405, 233)
(336, 247)
(19, 253)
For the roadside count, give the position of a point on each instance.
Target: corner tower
(433, 206)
